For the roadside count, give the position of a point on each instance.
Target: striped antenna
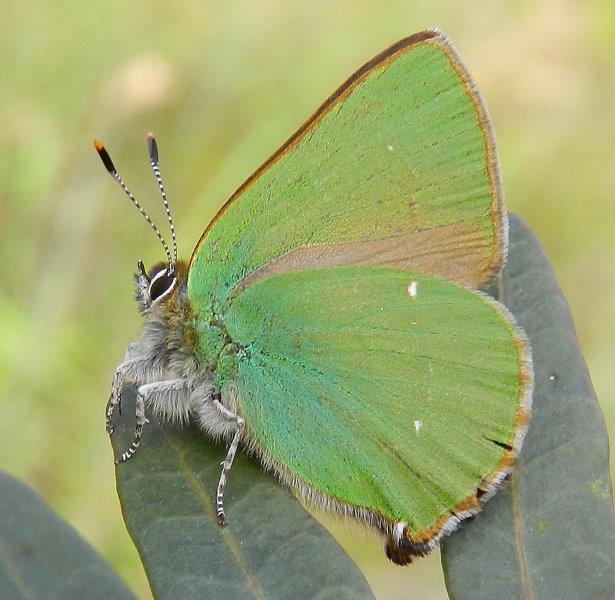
(106, 160)
(153, 161)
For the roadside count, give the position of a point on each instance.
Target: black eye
(161, 283)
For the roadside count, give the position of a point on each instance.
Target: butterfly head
(161, 287)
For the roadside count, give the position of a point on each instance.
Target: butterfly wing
(398, 167)
(391, 395)
(370, 376)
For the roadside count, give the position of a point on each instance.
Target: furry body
(169, 376)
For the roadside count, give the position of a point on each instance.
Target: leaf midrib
(206, 503)
(515, 484)
(520, 537)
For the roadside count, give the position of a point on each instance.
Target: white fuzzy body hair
(177, 385)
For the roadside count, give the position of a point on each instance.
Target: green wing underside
(397, 404)
(398, 168)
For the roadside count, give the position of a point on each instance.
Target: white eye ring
(155, 278)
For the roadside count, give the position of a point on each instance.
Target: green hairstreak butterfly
(331, 319)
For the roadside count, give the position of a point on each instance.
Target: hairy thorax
(168, 366)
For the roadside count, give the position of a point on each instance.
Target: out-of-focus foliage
(43, 558)
(222, 85)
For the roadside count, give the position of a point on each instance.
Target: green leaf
(271, 548)
(42, 556)
(550, 532)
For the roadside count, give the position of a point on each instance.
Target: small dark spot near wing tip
(500, 444)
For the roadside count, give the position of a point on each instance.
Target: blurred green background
(222, 84)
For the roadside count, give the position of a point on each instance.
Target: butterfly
(331, 319)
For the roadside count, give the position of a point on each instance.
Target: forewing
(400, 395)
(398, 167)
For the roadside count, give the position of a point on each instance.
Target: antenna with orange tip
(108, 163)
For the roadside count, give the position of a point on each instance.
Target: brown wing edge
(402, 546)
(498, 213)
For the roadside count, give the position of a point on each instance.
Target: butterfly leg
(164, 395)
(227, 463)
(136, 440)
(130, 369)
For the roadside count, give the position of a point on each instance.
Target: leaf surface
(550, 532)
(271, 548)
(42, 556)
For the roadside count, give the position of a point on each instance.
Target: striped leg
(131, 364)
(111, 403)
(227, 463)
(124, 374)
(166, 397)
(136, 440)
